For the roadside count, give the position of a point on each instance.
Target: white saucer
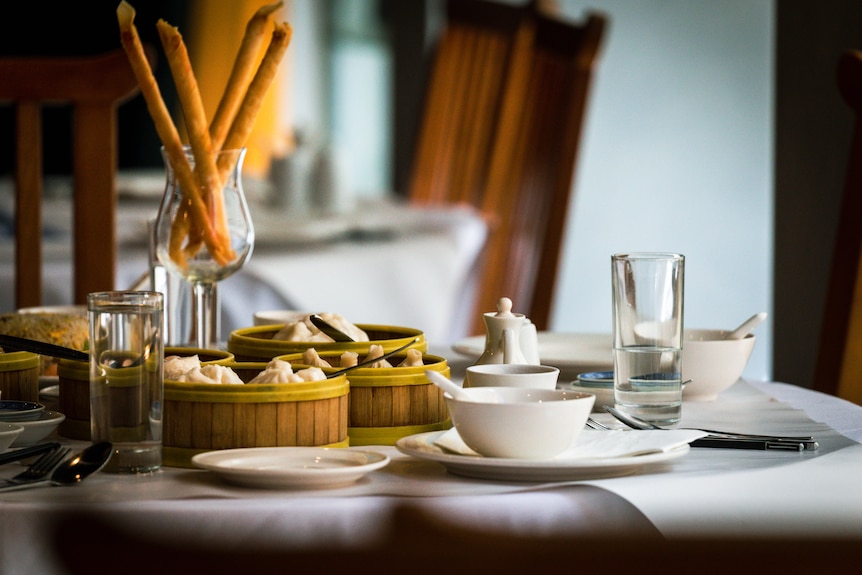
(573, 353)
(290, 467)
(422, 446)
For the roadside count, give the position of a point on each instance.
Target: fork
(41, 467)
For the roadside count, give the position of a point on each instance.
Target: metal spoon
(116, 360)
(745, 328)
(336, 334)
(82, 465)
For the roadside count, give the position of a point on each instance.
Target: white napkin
(597, 444)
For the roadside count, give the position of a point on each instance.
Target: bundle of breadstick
(201, 220)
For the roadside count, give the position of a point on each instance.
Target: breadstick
(164, 127)
(241, 74)
(196, 124)
(253, 100)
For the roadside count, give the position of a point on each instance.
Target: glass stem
(207, 315)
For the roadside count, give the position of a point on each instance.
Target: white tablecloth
(706, 492)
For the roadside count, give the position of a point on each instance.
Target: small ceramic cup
(512, 375)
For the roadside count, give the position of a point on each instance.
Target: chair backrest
(517, 164)
(839, 360)
(94, 86)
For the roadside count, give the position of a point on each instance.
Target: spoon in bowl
(446, 385)
(747, 326)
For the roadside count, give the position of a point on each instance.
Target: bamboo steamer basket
(19, 376)
(256, 343)
(386, 403)
(74, 380)
(200, 417)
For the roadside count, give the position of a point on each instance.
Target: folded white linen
(597, 444)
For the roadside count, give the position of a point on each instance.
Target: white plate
(573, 353)
(285, 467)
(422, 446)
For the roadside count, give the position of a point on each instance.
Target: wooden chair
(94, 86)
(839, 361)
(505, 141)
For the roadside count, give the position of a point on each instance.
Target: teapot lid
(504, 308)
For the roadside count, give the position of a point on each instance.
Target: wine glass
(206, 235)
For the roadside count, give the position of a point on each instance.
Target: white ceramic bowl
(8, 433)
(712, 363)
(277, 316)
(519, 423)
(512, 375)
(37, 430)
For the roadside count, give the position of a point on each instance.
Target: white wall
(677, 156)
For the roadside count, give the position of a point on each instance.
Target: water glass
(648, 331)
(126, 381)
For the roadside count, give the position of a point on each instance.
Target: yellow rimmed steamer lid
(200, 417)
(256, 343)
(388, 403)
(19, 376)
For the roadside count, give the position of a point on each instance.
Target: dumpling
(413, 359)
(210, 374)
(376, 351)
(176, 365)
(311, 357)
(298, 331)
(280, 371)
(349, 359)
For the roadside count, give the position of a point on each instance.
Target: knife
(759, 444)
(22, 344)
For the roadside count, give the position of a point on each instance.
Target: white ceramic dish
(39, 429)
(712, 363)
(290, 467)
(8, 433)
(517, 422)
(422, 446)
(572, 353)
(15, 411)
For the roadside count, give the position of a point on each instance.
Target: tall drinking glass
(205, 235)
(648, 331)
(126, 381)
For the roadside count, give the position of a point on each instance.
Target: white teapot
(503, 336)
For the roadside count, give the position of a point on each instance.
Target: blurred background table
(378, 261)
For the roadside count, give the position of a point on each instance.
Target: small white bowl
(16, 411)
(8, 433)
(512, 375)
(712, 363)
(519, 423)
(37, 430)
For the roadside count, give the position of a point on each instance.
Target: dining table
(812, 495)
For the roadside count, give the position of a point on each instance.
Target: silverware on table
(40, 469)
(725, 440)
